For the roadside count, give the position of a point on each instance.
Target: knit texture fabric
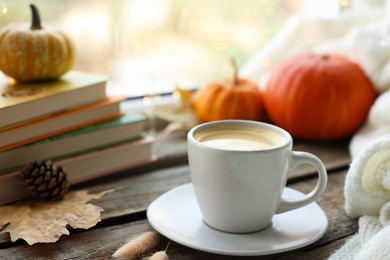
(366, 192)
(369, 243)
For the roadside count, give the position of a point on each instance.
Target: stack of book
(70, 121)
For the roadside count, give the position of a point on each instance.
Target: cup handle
(301, 158)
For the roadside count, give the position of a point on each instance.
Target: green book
(87, 166)
(129, 126)
(25, 101)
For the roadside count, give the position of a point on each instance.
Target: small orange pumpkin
(318, 97)
(32, 53)
(228, 98)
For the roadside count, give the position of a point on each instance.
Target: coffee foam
(240, 138)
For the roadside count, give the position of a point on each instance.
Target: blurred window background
(153, 46)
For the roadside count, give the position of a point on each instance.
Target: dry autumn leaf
(45, 222)
(184, 95)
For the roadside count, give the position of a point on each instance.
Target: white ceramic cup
(240, 190)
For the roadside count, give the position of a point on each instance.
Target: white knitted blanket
(368, 244)
(367, 197)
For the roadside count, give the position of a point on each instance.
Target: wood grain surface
(124, 215)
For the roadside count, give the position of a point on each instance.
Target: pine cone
(45, 180)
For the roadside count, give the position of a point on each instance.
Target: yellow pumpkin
(34, 53)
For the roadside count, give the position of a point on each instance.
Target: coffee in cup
(239, 169)
(240, 138)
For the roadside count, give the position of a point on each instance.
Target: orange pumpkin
(318, 97)
(228, 98)
(33, 53)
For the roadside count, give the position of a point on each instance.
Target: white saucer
(176, 215)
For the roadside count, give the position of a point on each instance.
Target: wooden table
(124, 215)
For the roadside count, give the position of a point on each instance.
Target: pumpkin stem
(36, 20)
(324, 57)
(234, 68)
